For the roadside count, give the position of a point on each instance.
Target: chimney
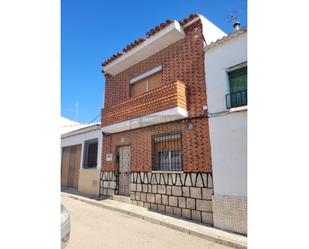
(236, 23)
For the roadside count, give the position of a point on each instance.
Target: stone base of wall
(230, 213)
(188, 195)
(109, 184)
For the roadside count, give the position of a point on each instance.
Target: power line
(95, 118)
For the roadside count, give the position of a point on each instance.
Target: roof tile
(148, 35)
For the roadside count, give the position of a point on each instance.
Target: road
(98, 228)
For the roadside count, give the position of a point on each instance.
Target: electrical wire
(95, 118)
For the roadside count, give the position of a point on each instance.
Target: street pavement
(98, 228)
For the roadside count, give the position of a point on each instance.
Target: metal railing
(236, 99)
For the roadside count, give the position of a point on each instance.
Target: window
(167, 152)
(146, 84)
(238, 88)
(90, 154)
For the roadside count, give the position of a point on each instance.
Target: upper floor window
(90, 154)
(238, 88)
(146, 84)
(167, 152)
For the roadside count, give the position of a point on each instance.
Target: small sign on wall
(109, 157)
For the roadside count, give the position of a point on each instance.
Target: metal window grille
(167, 152)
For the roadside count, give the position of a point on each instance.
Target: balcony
(164, 104)
(236, 99)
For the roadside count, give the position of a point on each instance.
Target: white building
(226, 86)
(81, 146)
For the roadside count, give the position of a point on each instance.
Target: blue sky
(93, 30)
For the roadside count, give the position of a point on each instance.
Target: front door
(70, 166)
(124, 170)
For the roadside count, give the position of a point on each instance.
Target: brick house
(156, 148)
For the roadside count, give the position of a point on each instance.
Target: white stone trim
(147, 120)
(239, 109)
(146, 74)
(192, 21)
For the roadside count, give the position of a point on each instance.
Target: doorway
(124, 169)
(70, 165)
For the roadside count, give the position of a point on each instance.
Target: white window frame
(146, 74)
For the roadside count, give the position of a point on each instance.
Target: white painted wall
(217, 60)
(228, 139)
(228, 130)
(210, 31)
(80, 139)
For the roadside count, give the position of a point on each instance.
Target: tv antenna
(233, 17)
(76, 111)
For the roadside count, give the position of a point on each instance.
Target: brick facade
(159, 99)
(195, 142)
(182, 61)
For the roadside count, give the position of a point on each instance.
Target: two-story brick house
(156, 148)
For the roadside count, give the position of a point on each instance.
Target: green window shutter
(238, 80)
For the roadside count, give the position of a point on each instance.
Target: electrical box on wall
(109, 157)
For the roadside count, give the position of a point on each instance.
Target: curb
(241, 243)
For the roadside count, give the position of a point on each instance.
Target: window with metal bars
(167, 152)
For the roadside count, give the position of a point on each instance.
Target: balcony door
(124, 170)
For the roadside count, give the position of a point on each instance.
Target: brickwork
(183, 61)
(159, 99)
(195, 145)
(187, 193)
(178, 194)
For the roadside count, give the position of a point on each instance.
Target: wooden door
(71, 166)
(71, 157)
(124, 170)
(65, 166)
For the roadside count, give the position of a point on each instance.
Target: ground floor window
(167, 152)
(90, 154)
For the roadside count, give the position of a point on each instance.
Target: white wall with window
(220, 62)
(226, 86)
(90, 138)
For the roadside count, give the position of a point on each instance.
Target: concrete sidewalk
(186, 226)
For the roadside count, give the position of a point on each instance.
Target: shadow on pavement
(74, 191)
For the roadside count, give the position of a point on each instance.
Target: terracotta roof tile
(158, 28)
(148, 35)
(133, 44)
(188, 19)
